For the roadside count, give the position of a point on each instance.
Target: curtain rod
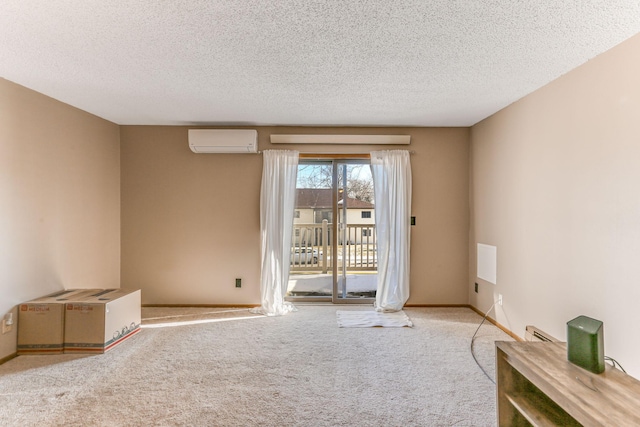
(337, 155)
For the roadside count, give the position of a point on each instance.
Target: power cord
(614, 362)
(473, 339)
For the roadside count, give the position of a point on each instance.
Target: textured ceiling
(302, 62)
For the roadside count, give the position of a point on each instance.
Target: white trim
(341, 139)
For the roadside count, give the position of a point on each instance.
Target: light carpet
(200, 368)
(372, 318)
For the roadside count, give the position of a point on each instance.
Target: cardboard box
(99, 322)
(41, 321)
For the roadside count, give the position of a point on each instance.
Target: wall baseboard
(492, 321)
(202, 305)
(439, 305)
(7, 358)
(497, 325)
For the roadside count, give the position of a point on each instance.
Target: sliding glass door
(355, 275)
(333, 252)
(311, 275)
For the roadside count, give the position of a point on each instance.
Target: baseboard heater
(534, 334)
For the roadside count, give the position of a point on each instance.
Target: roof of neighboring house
(320, 198)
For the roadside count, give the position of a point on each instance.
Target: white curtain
(277, 203)
(391, 172)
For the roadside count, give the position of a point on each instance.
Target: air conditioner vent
(223, 140)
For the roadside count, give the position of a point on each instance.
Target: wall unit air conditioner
(223, 140)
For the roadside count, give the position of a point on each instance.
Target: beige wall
(190, 222)
(556, 187)
(59, 199)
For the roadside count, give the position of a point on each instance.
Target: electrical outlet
(6, 328)
(238, 283)
(499, 299)
(476, 289)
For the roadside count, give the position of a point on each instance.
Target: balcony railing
(312, 246)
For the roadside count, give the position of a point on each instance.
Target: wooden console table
(537, 385)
